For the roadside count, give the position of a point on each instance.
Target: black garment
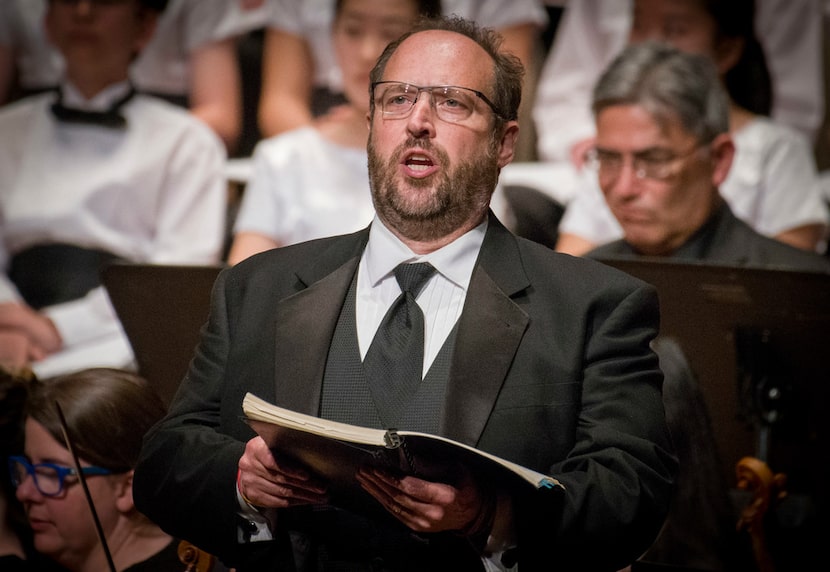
(111, 117)
(166, 560)
(49, 274)
(725, 239)
(11, 563)
(395, 360)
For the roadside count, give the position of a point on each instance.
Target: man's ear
(723, 152)
(507, 145)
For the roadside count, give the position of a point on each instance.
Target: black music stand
(758, 341)
(162, 309)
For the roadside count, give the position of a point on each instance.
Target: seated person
(312, 181)
(92, 174)
(107, 412)
(301, 78)
(592, 32)
(662, 150)
(194, 44)
(15, 536)
(773, 185)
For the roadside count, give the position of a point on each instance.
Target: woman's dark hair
(748, 82)
(107, 413)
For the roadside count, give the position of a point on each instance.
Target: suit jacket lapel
(306, 321)
(489, 332)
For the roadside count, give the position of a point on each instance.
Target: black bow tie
(111, 118)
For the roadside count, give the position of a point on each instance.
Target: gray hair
(668, 84)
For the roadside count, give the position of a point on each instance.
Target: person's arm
(287, 72)
(793, 209)
(587, 222)
(618, 475)
(573, 244)
(215, 95)
(247, 244)
(190, 224)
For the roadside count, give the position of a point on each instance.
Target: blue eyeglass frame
(61, 471)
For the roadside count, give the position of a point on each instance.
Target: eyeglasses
(48, 477)
(452, 104)
(654, 164)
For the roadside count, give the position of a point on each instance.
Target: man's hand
(267, 482)
(425, 506)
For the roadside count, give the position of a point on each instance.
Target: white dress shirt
(152, 192)
(304, 186)
(441, 299)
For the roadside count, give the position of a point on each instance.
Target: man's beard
(442, 203)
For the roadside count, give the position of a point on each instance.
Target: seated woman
(107, 412)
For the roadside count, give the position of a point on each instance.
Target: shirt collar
(455, 261)
(102, 101)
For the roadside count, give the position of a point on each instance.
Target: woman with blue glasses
(107, 412)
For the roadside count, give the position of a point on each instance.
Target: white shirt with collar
(152, 192)
(441, 299)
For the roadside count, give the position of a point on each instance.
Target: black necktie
(112, 117)
(395, 360)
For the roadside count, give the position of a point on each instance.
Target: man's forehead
(634, 121)
(440, 57)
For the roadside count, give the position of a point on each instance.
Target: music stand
(757, 339)
(162, 309)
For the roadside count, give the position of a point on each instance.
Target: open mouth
(419, 164)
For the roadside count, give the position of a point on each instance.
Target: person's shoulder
(588, 271)
(289, 141)
(764, 132)
(765, 252)
(25, 108)
(335, 249)
(162, 117)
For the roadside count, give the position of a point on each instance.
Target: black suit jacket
(552, 369)
(726, 239)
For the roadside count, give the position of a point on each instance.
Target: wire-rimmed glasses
(451, 103)
(654, 164)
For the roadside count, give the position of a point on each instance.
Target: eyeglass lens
(451, 103)
(47, 478)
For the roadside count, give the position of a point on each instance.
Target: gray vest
(346, 395)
